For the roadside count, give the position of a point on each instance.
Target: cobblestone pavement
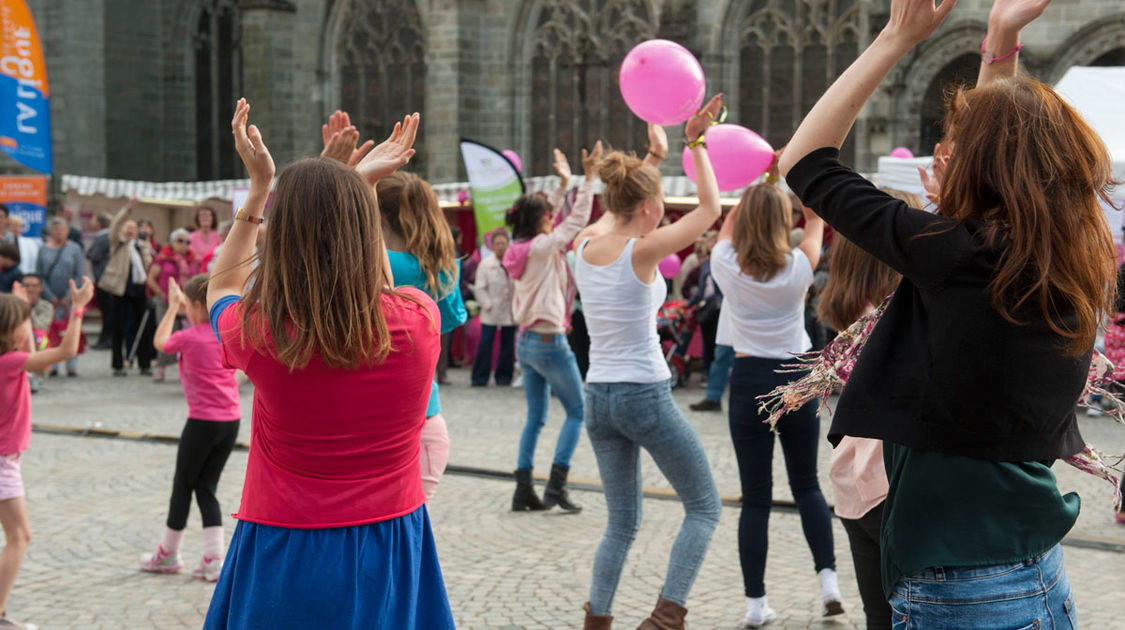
(96, 504)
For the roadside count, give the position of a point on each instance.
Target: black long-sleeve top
(943, 370)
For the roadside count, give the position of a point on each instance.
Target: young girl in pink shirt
(17, 358)
(209, 435)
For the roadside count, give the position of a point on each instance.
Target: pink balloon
(662, 82)
(738, 156)
(670, 266)
(514, 158)
(902, 152)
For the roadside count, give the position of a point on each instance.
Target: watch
(243, 215)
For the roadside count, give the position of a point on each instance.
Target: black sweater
(942, 370)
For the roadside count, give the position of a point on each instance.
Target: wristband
(989, 57)
(656, 155)
(79, 312)
(698, 142)
(243, 215)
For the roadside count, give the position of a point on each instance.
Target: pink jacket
(544, 287)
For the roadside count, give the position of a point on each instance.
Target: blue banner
(25, 126)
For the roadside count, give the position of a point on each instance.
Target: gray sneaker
(8, 624)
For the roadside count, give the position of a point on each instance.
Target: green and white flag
(495, 183)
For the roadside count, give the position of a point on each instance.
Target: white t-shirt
(762, 319)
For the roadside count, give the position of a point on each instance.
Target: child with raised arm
(209, 435)
(17, 358)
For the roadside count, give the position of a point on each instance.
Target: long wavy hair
(322, 273)
(1027, 165)
(761, 231)
(411, 209)
(856, 279)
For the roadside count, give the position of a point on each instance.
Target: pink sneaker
(208, 569)
(161, 562)
(1120, 517)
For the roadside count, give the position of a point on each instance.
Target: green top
(952, 511)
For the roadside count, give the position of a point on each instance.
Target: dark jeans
(104, 300)
(482, 364)
(205, 446)
(707, 333)
(130, 307)
(863, 538)
(753, 446)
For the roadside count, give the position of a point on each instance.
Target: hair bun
(616, 167)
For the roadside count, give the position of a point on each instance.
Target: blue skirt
(381, 575)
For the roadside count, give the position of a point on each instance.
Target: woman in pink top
(206, 236)
(17, 358)
(208, 437)
(856, 283)
(178, 262)
(544, 290)
(333, 531)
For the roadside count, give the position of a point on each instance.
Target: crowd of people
(963, 396)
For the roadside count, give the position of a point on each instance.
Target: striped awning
(165, 191)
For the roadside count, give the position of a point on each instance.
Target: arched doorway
(1112, 58)
(961, 71)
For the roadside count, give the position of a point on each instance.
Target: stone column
(443, 91)
(267, 72)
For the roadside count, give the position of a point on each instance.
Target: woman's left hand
(698, 124)
(393, 153)
(82, 295)
(1013, 15)
(255, 156)
(913, 21)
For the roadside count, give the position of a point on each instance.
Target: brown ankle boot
(596, 622)
(666, 616)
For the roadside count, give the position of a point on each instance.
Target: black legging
(131, 304)
(863, 538)
(205, 446)
(799, 433)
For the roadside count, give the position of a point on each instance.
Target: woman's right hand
(590, 161)
(255, 156)
(1013, 15)
(82, 295)
(393, 153)
(913, 21)
(562, 167)
(702, 120)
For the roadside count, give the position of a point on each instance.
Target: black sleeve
(919, 245)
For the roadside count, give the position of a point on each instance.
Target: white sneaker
(161, 562)
(208, 569)
(758, 613)
(830, 593)
(518, 380)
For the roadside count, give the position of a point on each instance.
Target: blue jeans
(1024, 595)
(548, 364)
(799, 434)
(482, 364)
(623, 418)
(719, 373)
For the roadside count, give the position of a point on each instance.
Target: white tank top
(620, 313)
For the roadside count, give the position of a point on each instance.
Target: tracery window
(382, 66)
(790, 52)
(576, 51)
(962, 71)
(218, 82)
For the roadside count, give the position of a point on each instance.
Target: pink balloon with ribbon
(670, 266)
(738, 156)
(902, 152)
(514, 158)
(662, 82)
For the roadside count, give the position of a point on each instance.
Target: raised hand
(340, 138)
(255, 156)
(699, 122)
(562, 167)
(81, 296)
(1013, 15)
(657, 141)
(176, 297)
(913, 21)
(590, 161)
(932, 184)
(19, 291)
(393, 153)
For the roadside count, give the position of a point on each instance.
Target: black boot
(525, 499)
(556, 494)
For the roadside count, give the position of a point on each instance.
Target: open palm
(1016, 14)
(393, 153)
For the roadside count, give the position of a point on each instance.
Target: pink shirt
(859, 478)
(15, 404)
(203, 246)
(211, 389)
(334, 447)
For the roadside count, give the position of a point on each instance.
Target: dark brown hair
(1026, 164)
(323, 271)
(762, 224)
(628, 183)
(411, 209)
(214, 217)
(196, 288)
(526, 215)
(14, 312)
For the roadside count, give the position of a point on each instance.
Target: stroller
(676, 323)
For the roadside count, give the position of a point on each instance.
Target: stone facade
(128, 99)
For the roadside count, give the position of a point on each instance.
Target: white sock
(829, 585)
(757, 606)
(213, 542)
(171, 541)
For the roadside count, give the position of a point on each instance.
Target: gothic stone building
(144, 89)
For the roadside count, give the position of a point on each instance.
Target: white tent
(1097, 94)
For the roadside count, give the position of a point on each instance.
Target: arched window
(218, 81)
(961, 71)
(790, 52)
(577, 48)
(382, 64)
(1112, 58)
